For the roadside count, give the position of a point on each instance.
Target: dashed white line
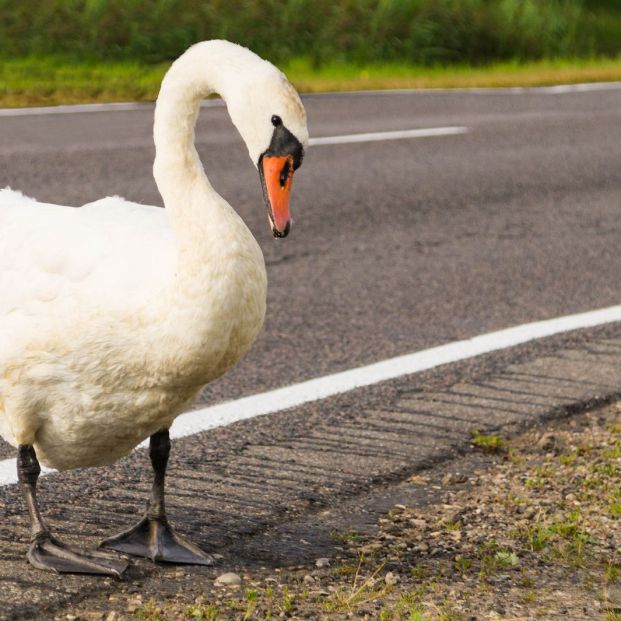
(204, 419)
(390, 135)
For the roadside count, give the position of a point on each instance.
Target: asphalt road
(396, 246)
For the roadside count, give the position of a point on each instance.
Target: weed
(452, 527)
(345, 536)
(344, 570)
(251, 597)
(150, 612)
(538, 538)
(347, 600)
(288, 601)
(569, 459)
(529, 597)
(420, 572)
(506, 559)
(462, 564)
(203, 612)
(607, 469)
(417, 614)
(446, 611)
(488, 443)
(613, 453)
(612, 573)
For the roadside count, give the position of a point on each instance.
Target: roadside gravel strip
(257, 490)
(518, 530)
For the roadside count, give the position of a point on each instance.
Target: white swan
(114, 316)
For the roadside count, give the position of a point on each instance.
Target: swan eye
(276, 120)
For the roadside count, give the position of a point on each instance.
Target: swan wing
(111, 253)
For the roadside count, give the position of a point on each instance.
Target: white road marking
(555, 89)
(204, 419)
(390, 135)
(74, 109)
(562, 89)
(559, 89)
(94, 107)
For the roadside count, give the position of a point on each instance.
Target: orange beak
(277, 176)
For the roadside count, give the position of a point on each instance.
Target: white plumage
(115, 314)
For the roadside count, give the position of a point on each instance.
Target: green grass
(56, 80)
(489, 443)
(53, 80)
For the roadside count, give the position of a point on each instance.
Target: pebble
(452, 478)
(228, 579)
(322, 562)
(391, 578)
(612, 593)
(308, 579)
(551, 442)
(529, 513)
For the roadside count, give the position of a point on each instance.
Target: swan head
(272, 121)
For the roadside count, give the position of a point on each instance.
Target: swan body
(114, 315)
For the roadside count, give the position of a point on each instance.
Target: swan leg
(153, 537)
(45, 551)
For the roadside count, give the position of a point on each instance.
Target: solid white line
(95, 107)
(75, 108)
(391, 135)
(204, 419)
(562, 89)
(559, 89)
(556, 89)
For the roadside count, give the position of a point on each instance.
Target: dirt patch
(528, 528)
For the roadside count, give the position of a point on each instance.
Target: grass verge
(55, 80)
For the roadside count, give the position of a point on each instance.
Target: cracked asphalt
(396, 246)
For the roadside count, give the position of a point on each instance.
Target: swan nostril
(285, 173)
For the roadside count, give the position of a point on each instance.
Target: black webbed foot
(155, 539)
(46, 552)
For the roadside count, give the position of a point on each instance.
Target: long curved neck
(194, 206)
